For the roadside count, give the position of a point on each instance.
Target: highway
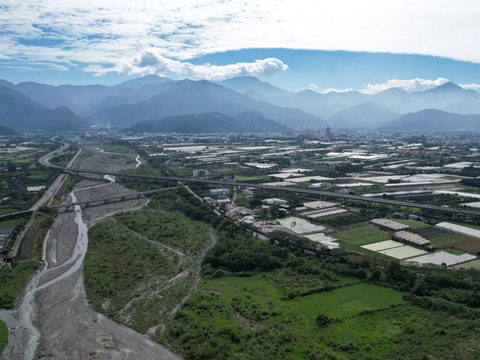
(321, 194)
(44, 160)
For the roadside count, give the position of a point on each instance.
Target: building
(200, 173)
(5, 236)
(219, 192)
(328, 133)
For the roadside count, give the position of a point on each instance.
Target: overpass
(424, 208)
(111, 199)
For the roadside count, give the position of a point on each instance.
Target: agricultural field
(258, 178)
(12, 280)
(431, 232)
(362, 235)
(457, 241)
(414, 225)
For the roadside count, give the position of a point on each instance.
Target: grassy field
(117, 159)
(127, 276)
(248, 318)
(362, 235)
(171, 228)
(117, 148)
(11, 281)
(3, 335)
(459, 241)
(252, 178)
(412, 223)
(454, 251)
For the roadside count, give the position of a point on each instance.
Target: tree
(323, 320)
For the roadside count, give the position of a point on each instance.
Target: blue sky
(295, 44)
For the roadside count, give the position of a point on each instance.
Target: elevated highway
(396, 204)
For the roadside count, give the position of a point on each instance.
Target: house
(5, 234)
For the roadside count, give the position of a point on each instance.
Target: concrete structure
(218, 192)
(5, 236)
(389, 224)
(200, 173)
(411, 237)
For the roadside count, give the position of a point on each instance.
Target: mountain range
(246, 122)
(34, 106)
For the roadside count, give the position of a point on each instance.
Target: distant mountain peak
(449, 86)
(137, 83)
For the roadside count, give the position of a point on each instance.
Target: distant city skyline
(361, 45)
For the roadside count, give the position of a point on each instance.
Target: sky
(365, 45)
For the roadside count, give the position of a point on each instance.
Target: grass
(362, 235)
(3, 335)
(117, 149)
(412, 223)
(248, 318)
(127, 276)
(171, 228)
(252, 178)
(442, 241)
(117, 159)
(12, 281)
(454, 251)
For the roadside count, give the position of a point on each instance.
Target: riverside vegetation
(281, 299)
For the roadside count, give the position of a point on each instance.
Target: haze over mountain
(138, 83)
(20, 112)
(191, 97)
(365, 115)
(247, 122)
(250, 84)
(152, 97)
(395, 99)
(433, 119)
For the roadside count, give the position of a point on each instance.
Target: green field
(252, 178)
(362, 235)
(271, 300)
(117, 159)
(117, 148)
(247, 318)
(126, 275)
(3, 335)
(442, 241)
(412, 223)
(454, 251)
(12, 281)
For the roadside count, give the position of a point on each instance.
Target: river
(22, 331)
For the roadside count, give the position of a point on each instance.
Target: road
(283, 189)
(44, 160)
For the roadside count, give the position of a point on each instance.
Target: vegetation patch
(412, 223)
(12, 281)
(362, 235)
(3, 335)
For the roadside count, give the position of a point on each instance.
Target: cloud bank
(152, 63)
(111, 33)
(411, 85)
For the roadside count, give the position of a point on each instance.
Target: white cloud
(475, 87)
(312, 87)
(329, 90)
(152, 63)
(409, 86)
(111, 33)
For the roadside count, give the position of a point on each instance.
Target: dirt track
(69, 327)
